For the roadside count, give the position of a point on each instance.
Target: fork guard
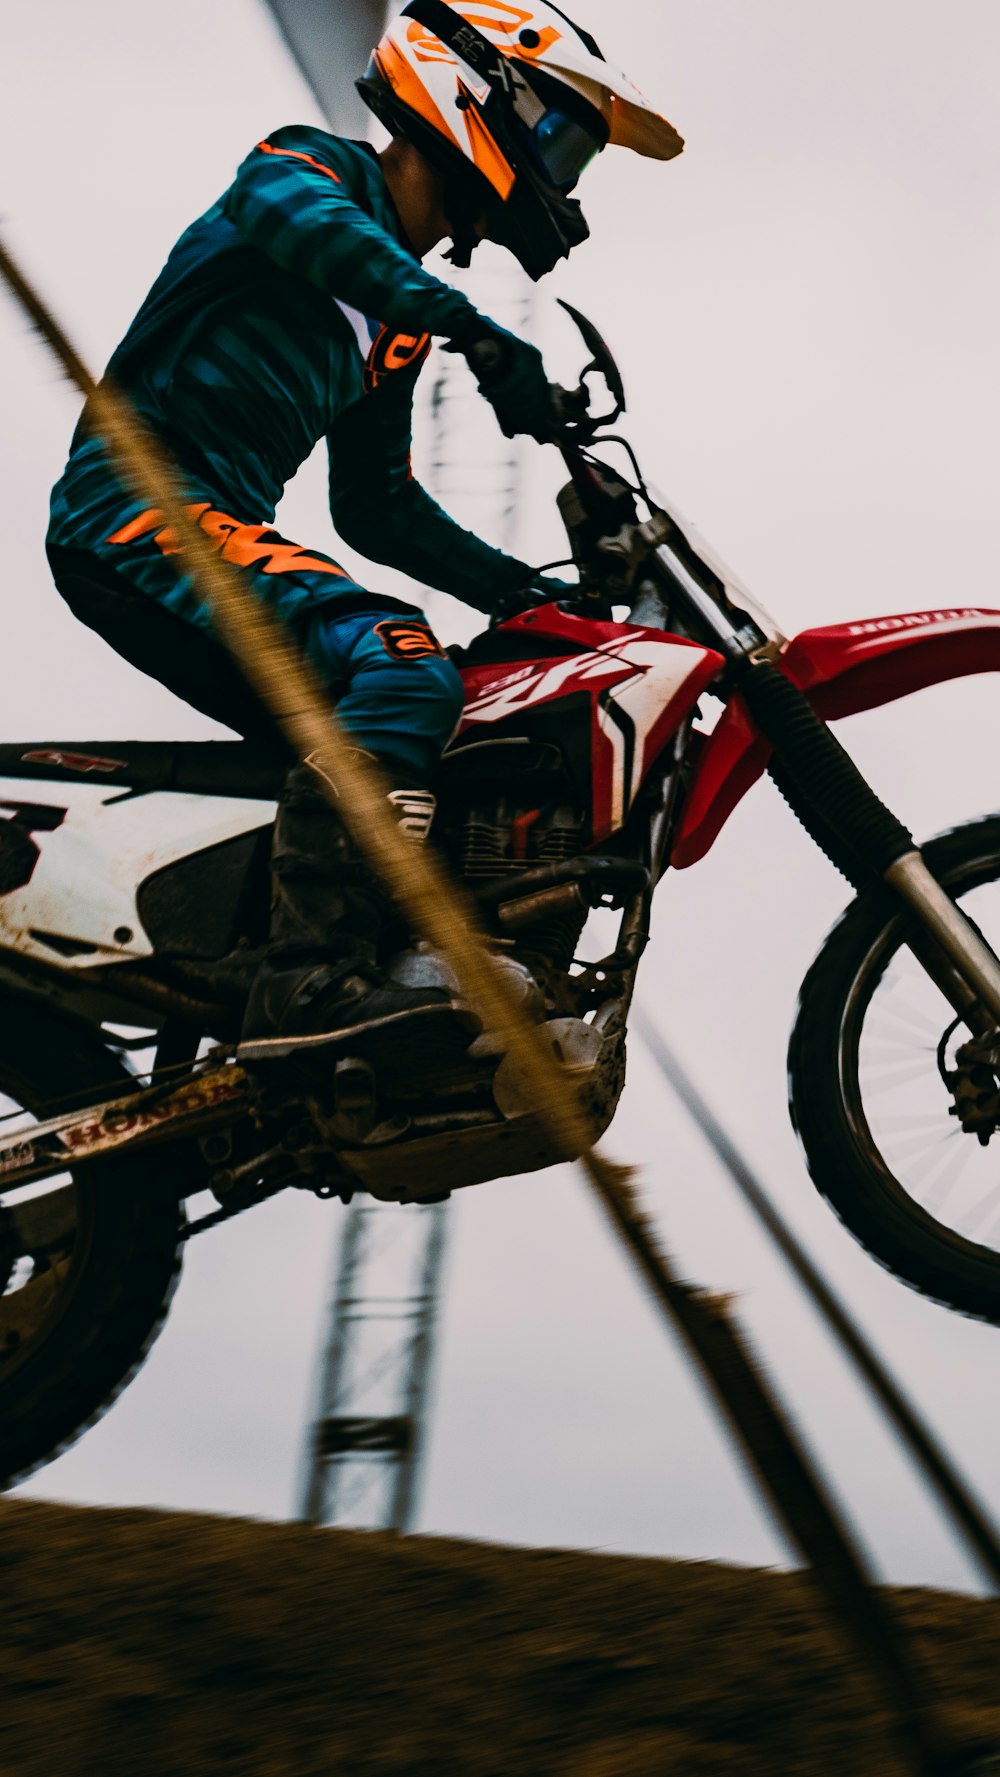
(842, 669)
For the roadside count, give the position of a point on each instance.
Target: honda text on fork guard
(133, 900)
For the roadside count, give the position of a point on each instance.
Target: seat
(254, 769)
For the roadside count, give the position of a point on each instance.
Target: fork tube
(737, 643)
(948, 926)
(946, 978)
(661, 827)
(828, 785)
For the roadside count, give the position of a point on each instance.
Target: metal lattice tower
(366, 1444)
(363, 1452)
(367, 1440)
(475, 471)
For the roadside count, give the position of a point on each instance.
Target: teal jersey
(293, 310)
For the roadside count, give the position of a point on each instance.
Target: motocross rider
(296, 308)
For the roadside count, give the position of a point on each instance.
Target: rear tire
(69, 1351)
(871, 1163)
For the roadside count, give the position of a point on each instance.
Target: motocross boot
(319, 985)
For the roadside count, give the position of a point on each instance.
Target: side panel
(638, 685)
(844, 668)
(82, 889)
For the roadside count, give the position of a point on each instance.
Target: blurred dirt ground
(158, 1644)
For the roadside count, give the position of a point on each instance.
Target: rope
(967, 1515)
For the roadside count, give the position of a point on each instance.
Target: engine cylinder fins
(506, 838)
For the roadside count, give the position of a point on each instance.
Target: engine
(499, 837)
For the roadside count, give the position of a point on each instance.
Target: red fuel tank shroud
(844, 668)
(639, 685)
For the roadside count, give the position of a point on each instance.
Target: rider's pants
(397, 693)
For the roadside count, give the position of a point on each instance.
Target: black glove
(511, 375)
(542, 590)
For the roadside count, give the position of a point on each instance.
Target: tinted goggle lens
(563, 148)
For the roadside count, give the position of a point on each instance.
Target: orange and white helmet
(512, 101)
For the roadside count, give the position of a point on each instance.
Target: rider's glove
(511, 375)
(542, 590)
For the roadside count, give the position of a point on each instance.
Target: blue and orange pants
(119, 568)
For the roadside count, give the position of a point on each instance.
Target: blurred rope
(967, 1515)
(446, 918)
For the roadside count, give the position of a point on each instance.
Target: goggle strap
(476, 50)
(468, 42)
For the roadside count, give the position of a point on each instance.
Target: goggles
(562, 147)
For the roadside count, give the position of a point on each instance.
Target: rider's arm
(296, 198)
(381, 511)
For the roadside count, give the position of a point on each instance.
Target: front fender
(842, 669)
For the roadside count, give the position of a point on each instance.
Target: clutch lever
(601, 364)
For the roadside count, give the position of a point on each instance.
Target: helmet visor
(563, 147)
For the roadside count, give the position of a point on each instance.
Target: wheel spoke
(892, 1082)
(940, 1193)
(941, 1167)
(980, 1212)
(911, 1122)
(908, 1016)
(898, 1045)
(919, 1144)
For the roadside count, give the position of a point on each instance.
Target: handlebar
(572, 420)
(572, 423)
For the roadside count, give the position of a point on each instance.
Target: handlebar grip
(568, 410)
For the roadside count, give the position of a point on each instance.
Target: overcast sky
(805, 311)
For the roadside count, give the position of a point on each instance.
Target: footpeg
(355, 1099)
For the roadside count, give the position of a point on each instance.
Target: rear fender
(842, 669)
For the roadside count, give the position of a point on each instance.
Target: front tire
(77, 1321)
(867, 1097)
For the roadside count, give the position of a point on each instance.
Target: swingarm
(199, 1105)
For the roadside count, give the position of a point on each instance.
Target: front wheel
(872, 1051)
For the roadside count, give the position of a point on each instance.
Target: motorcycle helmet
(511, 102)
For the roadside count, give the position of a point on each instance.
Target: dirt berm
(152, 1643)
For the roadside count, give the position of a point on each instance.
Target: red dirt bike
(133, 899)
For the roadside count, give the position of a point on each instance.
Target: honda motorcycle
(134, 900)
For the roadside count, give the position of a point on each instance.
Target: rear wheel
(872, 1061)
(86, 1275)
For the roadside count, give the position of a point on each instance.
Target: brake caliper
(975, 1086)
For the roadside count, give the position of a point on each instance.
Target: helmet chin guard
(510, 102)
(465, 235)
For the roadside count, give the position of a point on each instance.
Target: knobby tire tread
(939, 1263)
(120, 1300)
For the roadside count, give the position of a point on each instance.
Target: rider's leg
(320, 980)
(397, 693)
(120, 570)
(189, 661)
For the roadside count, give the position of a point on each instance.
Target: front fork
(826, 790)
(949, 946)
(866, 841)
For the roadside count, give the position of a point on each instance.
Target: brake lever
(601, 364)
